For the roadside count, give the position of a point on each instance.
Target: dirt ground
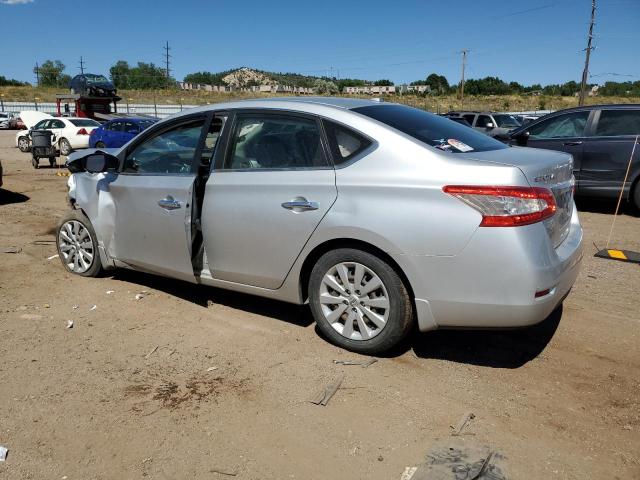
(194, 382)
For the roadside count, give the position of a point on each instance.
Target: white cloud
(15, 2)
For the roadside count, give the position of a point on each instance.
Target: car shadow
(7, 197)
(487, 348)
(605, 205)
(203, 295)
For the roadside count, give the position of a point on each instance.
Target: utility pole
(464, 64)
(36, 70)
(81, 65)
(585, 72)
(166, 61)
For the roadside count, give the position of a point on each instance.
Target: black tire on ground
(95, 268)
(65, 147)
(100, 145)
(400, 320)
(634, 197)
(23, 144)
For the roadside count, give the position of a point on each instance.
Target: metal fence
(157, 110)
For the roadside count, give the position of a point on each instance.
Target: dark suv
(600, 138)
(496, 125)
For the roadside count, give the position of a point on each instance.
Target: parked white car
(70, 133)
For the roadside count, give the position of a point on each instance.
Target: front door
(263, 202)
(565, 133)
(153, 200)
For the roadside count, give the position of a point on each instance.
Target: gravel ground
(194, 382)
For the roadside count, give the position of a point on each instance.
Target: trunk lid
(543, 168)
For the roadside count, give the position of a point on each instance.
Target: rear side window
(618, 122)
(85, 122)
(469, 118)
(431, 129)
(344, 143)
(483, 121)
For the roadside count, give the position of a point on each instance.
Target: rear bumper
(80, 141)
(492, 283)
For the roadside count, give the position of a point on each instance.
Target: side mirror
(521, 138)
(489, 126)
(95, 162)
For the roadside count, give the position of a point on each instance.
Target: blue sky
(532, 41)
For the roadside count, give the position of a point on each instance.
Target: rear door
(153, 197)
(113, 134)
(266, 196)
(129, 131)
(607, 151)
(565, 133)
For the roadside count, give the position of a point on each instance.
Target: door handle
(301, 205)
(169, 203)
(572, 144)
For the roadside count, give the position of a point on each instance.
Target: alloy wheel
(354, 301)
(76, 246)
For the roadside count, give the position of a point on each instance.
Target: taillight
(82, 131)
(506, 206)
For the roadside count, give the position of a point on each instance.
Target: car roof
(599, 106)
(132, 119)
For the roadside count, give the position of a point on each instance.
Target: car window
(211, 140)
(275, 141)
(483, 121)
(131, 127)
(469, 118)
(84, 122)
(506, 121)
(116, 126)
(618, 122)
(41, 124)
(431, 129)
(57, 124)
(171, 151)
(344, 143)
(562, 126)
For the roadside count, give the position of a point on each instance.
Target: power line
(585, 72)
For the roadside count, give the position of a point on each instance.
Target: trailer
(86, 106)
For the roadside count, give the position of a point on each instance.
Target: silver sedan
(378, 215)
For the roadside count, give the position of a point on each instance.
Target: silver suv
(497, 125)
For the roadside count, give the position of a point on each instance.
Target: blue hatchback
(115, 133)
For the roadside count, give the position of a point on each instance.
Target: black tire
(635, 196)
(52, 162)
(95, 266)
(400, 317)
(100, 145)
(65, 147)
(23, 144)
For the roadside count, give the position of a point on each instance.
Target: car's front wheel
(78, 245)
(23, 144)
(359, 301)
(100, 145)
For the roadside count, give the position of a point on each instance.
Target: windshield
(506, 121)
(85, 122)
(92, 79)
(431, 129)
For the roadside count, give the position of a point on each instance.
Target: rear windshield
(431, 129)
(85, 122)
(506, 121)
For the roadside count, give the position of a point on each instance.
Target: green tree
(325, 87)
(120, 74)
(438, 83)
(383, 83)
(51, 74)
(10, 82)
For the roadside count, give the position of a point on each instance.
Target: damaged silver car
(378, 215)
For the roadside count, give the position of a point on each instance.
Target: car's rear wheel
(100, 145)
(65, 147)
(78, 245)
(23, 144)
(359, 301)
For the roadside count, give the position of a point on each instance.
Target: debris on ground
(151, 352)
(223, 472)
(46, 305)
(211, 369)
(323, 397)
(3, 453)
(53, 256)
(93, 308)
(109, 292)
(69, 323)
(460, 460)
(408, 473)
(363, 363)
(462, 424)
(142, 294)
(75, 307)
(11, 249)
